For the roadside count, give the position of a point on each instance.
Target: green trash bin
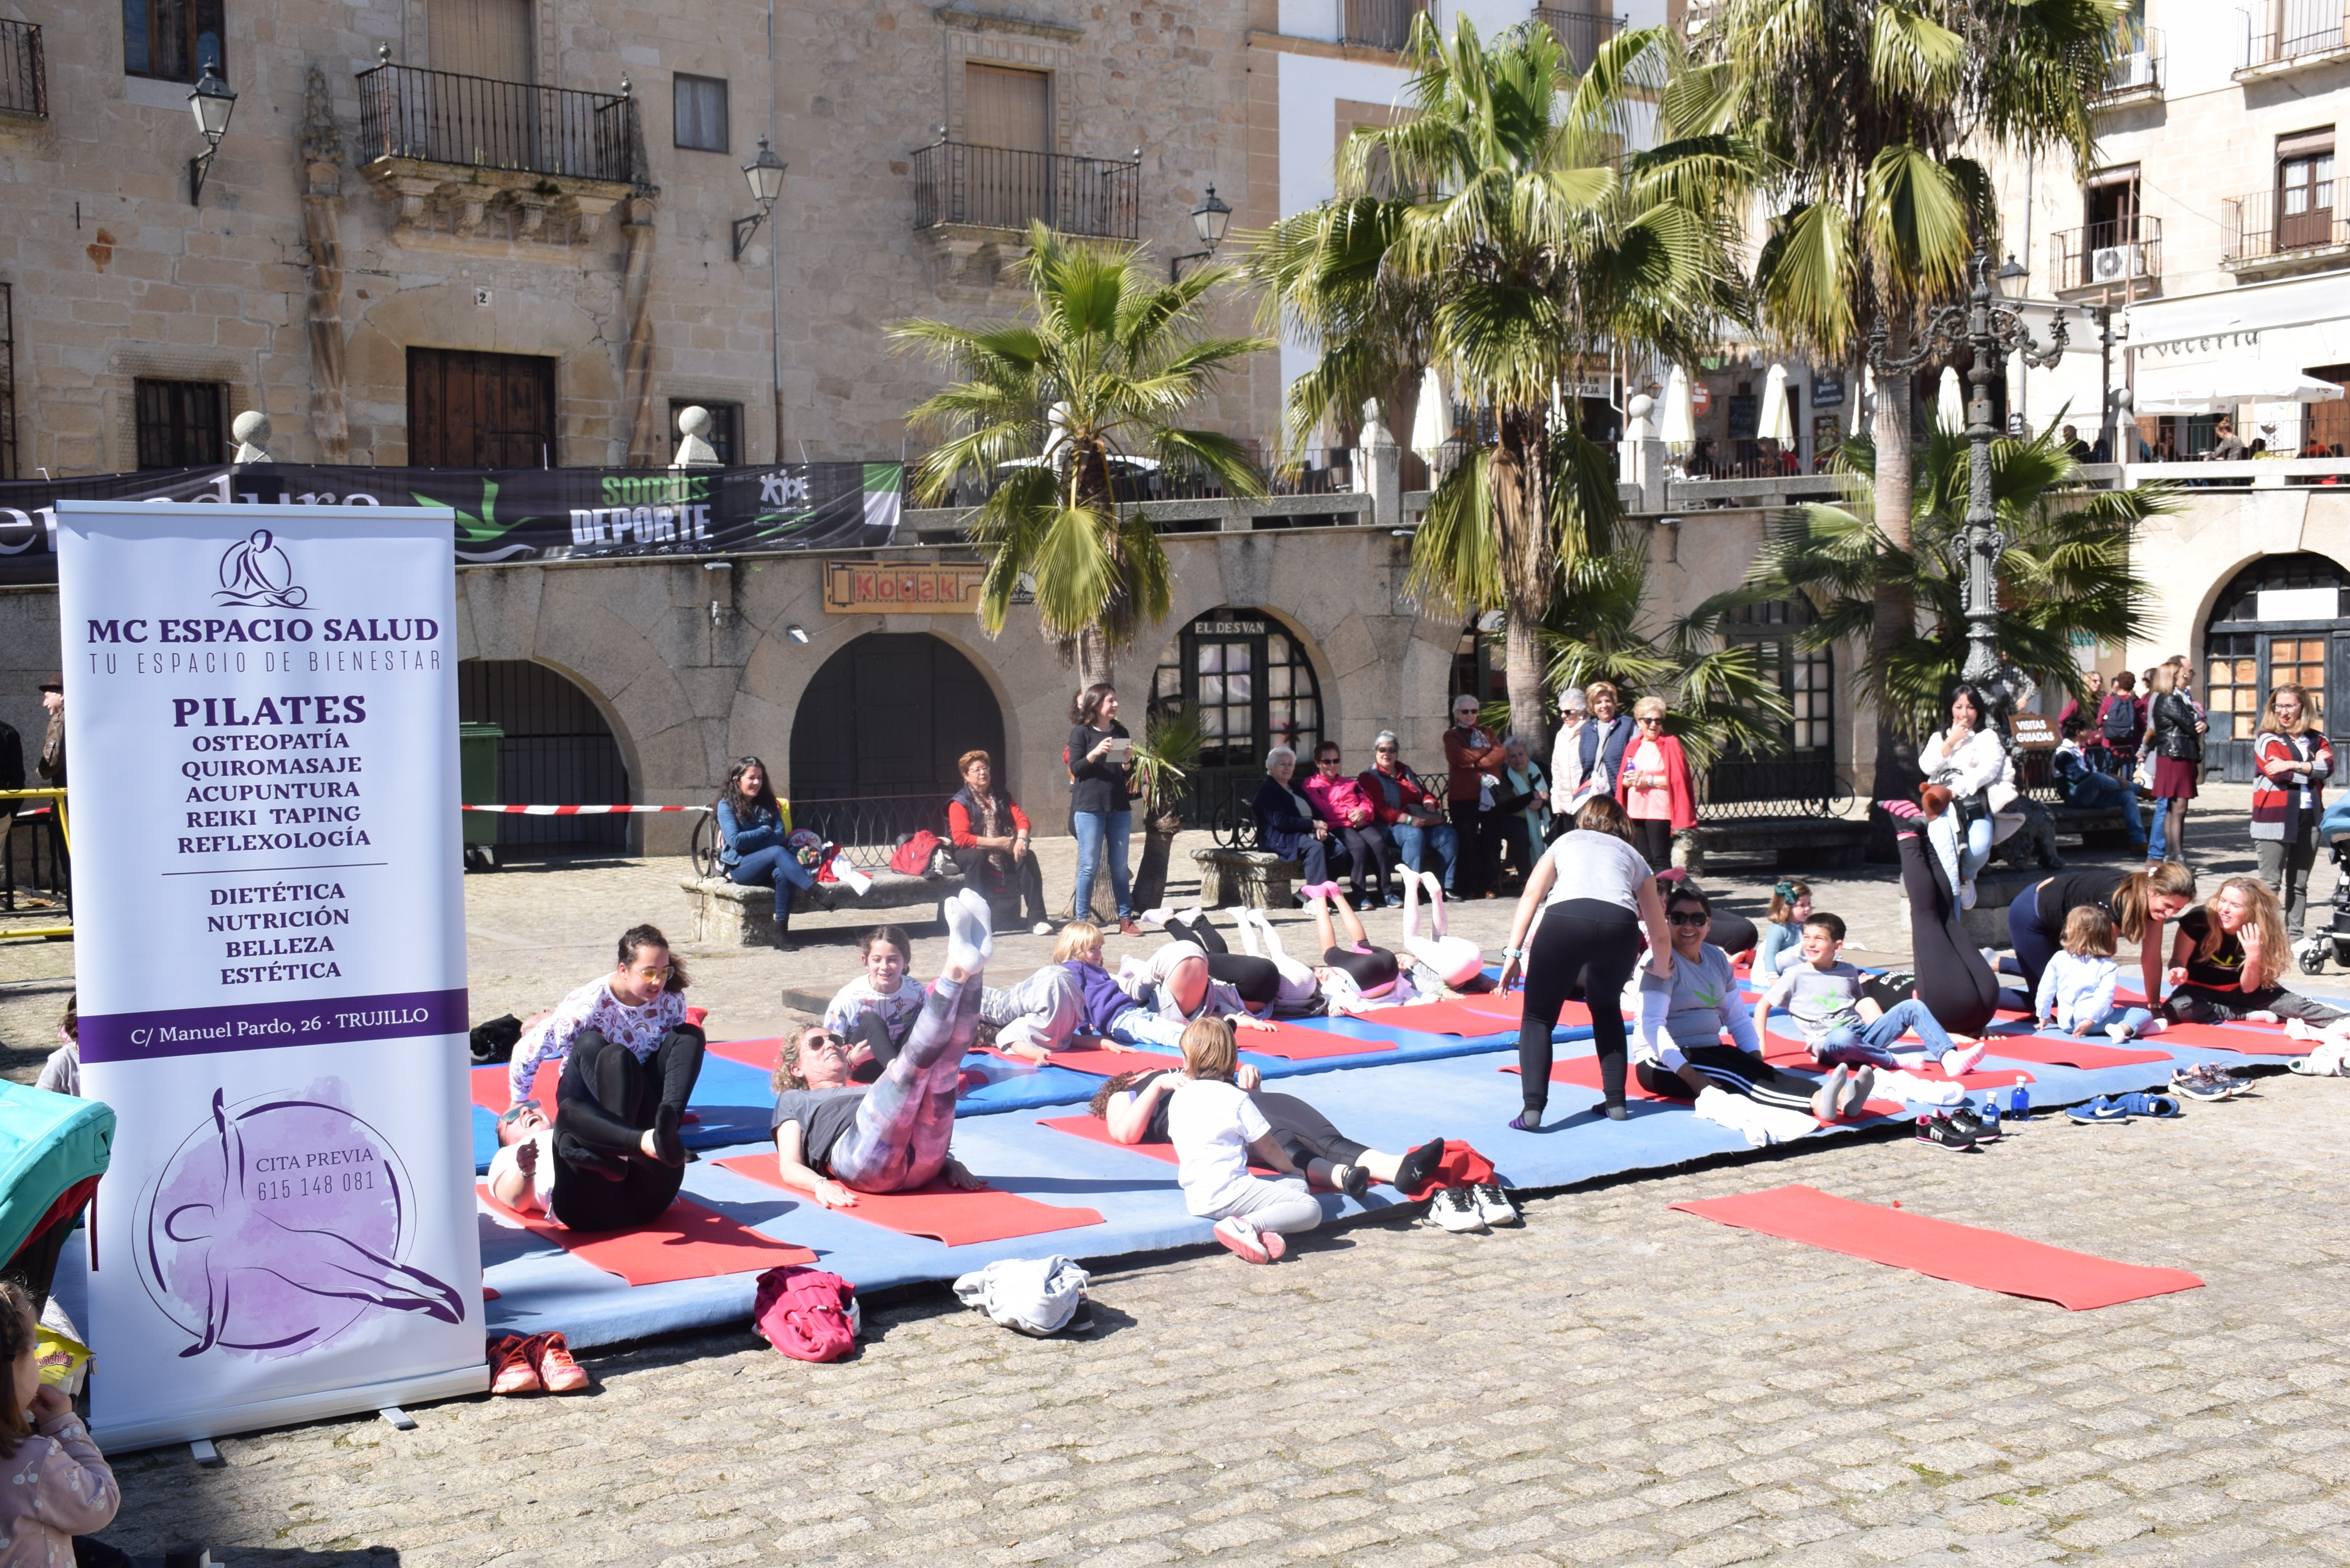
(477, 785)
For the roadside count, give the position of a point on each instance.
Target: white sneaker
(1041, 928)
(1493, 1205)
(1966, 896)
(1455, 1210)
(1244, 1240)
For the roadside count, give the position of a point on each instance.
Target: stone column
(646, 433)
(322, 211)
(1379, 467)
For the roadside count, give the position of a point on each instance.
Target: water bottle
(2019, 1103)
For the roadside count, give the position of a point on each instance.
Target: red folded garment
(1298, 1043)
(2244, 1039)
(1987, 1259)
(944, 1213)
(1450, 1016)
(490, 1091)
(686, 1241)
(1460, 1166)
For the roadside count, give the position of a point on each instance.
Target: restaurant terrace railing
(1007, 188)
(475, 123)
(1579, 33)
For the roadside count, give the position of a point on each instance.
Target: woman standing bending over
(1592, 893)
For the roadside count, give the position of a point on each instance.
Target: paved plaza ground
(1611, 1383)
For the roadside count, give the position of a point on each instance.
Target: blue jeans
(1873, 1042)
(2103, 789)
(774, 865)
(1409, 842)
(1095, 828)
(2133, 1018)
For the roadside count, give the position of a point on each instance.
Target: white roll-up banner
(260, 724)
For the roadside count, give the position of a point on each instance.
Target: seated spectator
(61, 1074)
(1215, 1129)
(1133, 1107)
(1290, 824)
(629, 1061)
(1677, 1051)
(876, 1011)
(1823, 995)
(990, 834)
(1415, 822)
(1343, 804)
(2079, 781)
(835, 1139)
(753, 828)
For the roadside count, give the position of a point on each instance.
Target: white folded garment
(1760, 1123)
(1912, 1090)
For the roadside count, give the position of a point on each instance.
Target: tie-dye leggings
(907, 1119)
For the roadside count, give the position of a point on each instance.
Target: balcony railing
(474, 122)
(24, 74)
(1579, 33)
(2137, 68)
(2117, 253)
(1377, 23)
(2258, 233)
(2284, 31)
(1005, 188)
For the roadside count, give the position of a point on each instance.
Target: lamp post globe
(1209, 219)
(764, 174)
(212, 100)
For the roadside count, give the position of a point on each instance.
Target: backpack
(2120, 723)
(807, 1314)
(495, 1041)
(913, 856)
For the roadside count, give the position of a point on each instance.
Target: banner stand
(293, 1410)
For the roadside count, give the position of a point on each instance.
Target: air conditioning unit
(2112, 263)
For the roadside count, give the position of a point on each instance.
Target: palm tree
(1501, 233)
(2068, 573)
(1865, 106)
(1054, 408)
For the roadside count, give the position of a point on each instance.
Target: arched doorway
(2280, 620)
(557, 751)
(878, 728)
(1252, 686)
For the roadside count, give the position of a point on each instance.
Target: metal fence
(1377, 23)
(2282, 30)
(2117, 252)
(1742, 788)
(2137, 68)
(23, 73)
(438, 117)
(1579, 33)
(2257, 232)
(1006, 188)
(869, 828)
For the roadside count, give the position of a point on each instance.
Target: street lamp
(2011, 279)
(1993, 332)
(1209, 221)
(212, 101)
(764, 174)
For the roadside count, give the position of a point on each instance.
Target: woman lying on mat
(613, 1157)
(835, 1139)
(2230, 958)
(1170, 989)
(1353, 975)
(1134, 1106)
(1677, 1049)
(1262, 984)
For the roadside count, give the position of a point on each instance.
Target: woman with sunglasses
(1342, 803)
(753, 828)
(1472, 757)
(1290, 824)
(1655, 785)
(1412, 819)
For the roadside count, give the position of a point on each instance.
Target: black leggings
(994, 873)
(1736, 1070)
(2200, 1005)
(1258, 980)
(1305, 1133)
(1368, 851)
(1479, 835)
(874, 1035)
(1733, 934)
(1585, 942)
(604, 1103)
(1368, 970)
(1653, 838)
(1953, 981)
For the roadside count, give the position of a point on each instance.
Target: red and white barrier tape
(579, 810)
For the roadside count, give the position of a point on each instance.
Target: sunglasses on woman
(1688, 919)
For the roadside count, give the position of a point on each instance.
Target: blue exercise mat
(733, 1101)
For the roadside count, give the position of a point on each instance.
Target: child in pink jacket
(54, 1484)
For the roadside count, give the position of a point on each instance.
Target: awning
(2229, 321)
(2217, 388)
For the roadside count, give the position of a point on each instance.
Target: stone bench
(734, 914)
(1800, 843)
(1257, 878)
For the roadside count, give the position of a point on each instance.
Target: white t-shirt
(1591, 864)
(1211, 1124)
(537, 1197)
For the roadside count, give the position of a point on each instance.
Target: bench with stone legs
(1257, 878)
(735, 914)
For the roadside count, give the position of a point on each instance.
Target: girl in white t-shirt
(1215, 1129)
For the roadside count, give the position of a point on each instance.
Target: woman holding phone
(1101, 756)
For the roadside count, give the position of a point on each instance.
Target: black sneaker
(1971, 1123)
(1943, 1133)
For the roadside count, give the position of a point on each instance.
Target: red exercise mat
(1511, 1005)
(2245, 1040)
(490, 1092)
(2051, 1052)
(1108, 1061)
(685, 1241)
(1987, 1259)
(943, 1214)
(1093, 1130)
(1781, 1051)
(1298, 1043)
(759, 1054)
(1447, 1017)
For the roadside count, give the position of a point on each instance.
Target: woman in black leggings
(1953, 981)
(2140, 905)
(1593, 894)
(1258, 980)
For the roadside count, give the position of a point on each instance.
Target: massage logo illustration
(256, 571)
(279, 1224)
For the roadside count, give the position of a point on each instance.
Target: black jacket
(2173, 720)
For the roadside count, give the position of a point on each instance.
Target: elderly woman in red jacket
(990, 834)
(1655, 785)
(2293, 762)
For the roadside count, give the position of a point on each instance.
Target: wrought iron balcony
(2116, 254)
(1579, 33)
(23, 74)
(957, 184)
(2136, 72)
(2262, 241)
(2288, 33)
(472, 122)
(1377, 23)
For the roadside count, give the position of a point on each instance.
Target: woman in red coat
(1655, 785)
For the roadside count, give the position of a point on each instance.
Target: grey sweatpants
(1281, 1205)
(1043, 1010)
(2284, 866)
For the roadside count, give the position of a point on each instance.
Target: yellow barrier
(64, 832)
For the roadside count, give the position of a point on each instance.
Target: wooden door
(2328, 424)
(469, 409)
(2306, 200)
(1008, 169)
(479, 37)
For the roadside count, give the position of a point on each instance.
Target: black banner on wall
(514, 514)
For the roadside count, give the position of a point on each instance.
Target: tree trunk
(1150, 872)
(1095, 665)
(1522, 670)
(1896, 772)
(1529, 567)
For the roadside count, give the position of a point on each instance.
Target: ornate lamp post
(1993, 332)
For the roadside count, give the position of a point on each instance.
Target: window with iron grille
(1806, 676)
(725, 436)
(181, 424)
(173, 39)
(702, 113)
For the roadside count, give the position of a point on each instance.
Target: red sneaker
(511, 1371)
(552, 1356)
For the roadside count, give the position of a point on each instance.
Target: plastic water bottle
(2019, 1103)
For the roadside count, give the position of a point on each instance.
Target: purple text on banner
(330, 1020)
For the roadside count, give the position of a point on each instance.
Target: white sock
(1961, 1060)
(2154, 1026)
(969, 941)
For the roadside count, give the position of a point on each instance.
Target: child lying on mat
(2076, 989)
(1170, 989)
(2229, 958)
(1677, 1049)
(1134, 1106)
(1824, 997)
(835, 1139)
(1352, 977)
(1215, 1129)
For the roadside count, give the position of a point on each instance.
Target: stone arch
(560, 746)
(877, 729)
